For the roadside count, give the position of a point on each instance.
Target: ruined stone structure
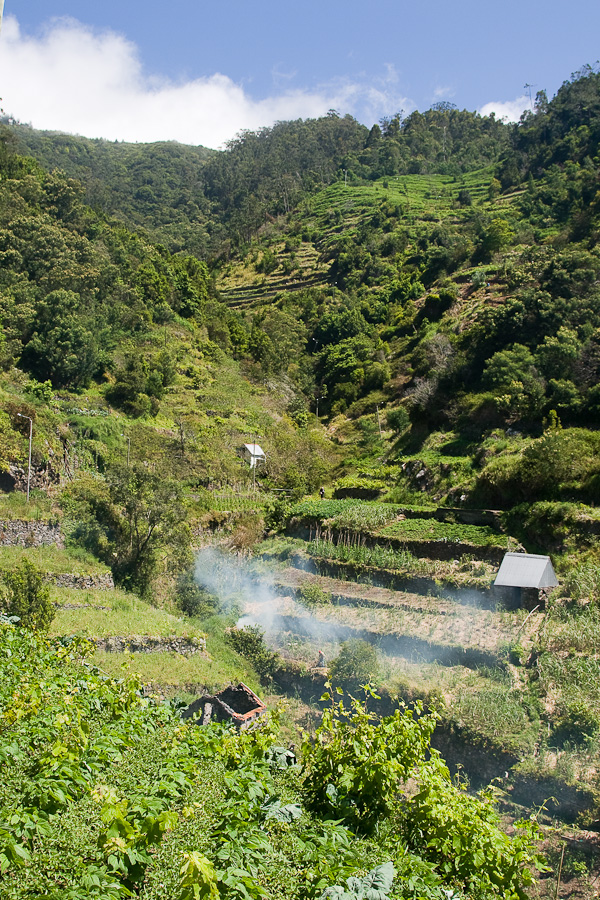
(236, 703)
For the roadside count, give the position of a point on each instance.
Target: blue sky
(200, 72)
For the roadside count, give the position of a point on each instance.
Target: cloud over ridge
(80, 80)
(507, 110)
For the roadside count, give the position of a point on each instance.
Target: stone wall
(83, 582)
(22, 533)
(185, 646)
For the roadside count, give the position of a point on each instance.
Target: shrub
(192, 599)
(398, 419)
(460, 834)
(575, 723)
(249, 642)
(28, 597)
(314, 595)
(40, 390)
(268, 263)
(354, 767)
(355, 665)
(277, 514)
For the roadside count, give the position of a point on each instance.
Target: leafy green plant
(249, 642)
(461, 835)
(273, 808)
(312, 594)
(198, 878)
(40, 390)
(357, 763)
(375, 885)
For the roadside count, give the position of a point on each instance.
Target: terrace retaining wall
(24, 533)
(83, 582)
(184, 646)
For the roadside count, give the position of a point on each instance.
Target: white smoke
(240, 587)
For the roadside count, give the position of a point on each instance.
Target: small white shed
(530, 575)
(253, 454)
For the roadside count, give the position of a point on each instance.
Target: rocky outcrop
(42, 476)
(185, 646)
(23, 533)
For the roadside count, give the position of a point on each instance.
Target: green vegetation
(350, 514)
(355, 665)
(431, 530)
(409, 313)
(379, 556)
(15, 506)
(27, 598)
(249, 642)
(52, 560)
(100, 614)
(156, 187)
(105, 793)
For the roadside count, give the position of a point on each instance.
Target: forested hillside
(407, 317)
(157, 187)
(440, 270)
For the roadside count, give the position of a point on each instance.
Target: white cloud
(382, 97)
(508, 110)
(75, 79)
(442, 92)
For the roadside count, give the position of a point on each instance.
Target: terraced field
(338, 210)
(494, 673)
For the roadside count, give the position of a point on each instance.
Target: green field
(53, 561)
(432, 530)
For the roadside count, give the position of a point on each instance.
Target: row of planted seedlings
(399, 527)
(350, 554)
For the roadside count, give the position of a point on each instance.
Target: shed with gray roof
(527, 579)
(253, 454)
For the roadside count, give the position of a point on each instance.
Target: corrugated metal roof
(254, 449)
(526, 570)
